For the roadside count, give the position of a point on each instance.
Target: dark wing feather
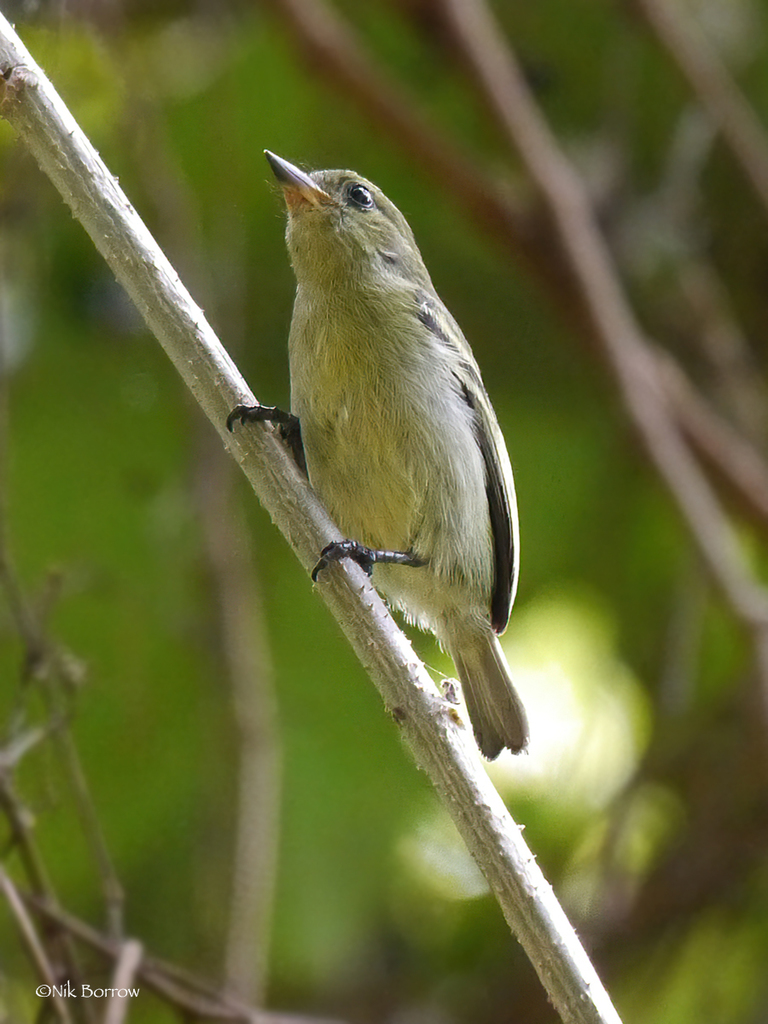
(502, 512)
(502, 506)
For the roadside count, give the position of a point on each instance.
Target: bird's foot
(290, 428)
(365, 557)
(260, 414)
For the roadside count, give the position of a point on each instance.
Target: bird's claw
(258, 414)
(365, 557)
(339, 549)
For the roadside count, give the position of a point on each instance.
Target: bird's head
(342, 227)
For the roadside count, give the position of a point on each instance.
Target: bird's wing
(499, 482)
(502, 506)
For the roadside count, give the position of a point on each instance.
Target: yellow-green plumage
(400, 439)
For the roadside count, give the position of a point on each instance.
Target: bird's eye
(360, 196)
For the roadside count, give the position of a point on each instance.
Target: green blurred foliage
(379, 914)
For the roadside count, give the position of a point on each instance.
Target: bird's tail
(495, 710)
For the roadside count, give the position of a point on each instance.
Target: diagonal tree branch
(438, 740)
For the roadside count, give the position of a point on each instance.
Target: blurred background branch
(712, 84)
(184, 991)
(245, 652)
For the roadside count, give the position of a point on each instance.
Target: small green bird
(400, 440)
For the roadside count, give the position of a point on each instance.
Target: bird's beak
(298, 187)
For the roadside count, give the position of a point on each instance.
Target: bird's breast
(390, 441)
(361, 460)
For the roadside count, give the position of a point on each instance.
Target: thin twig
(126, 966)
(34, 945)
(712, 83)
(16, 749)
(187, 992)
(45, 660)
(22, 838)
(93, 832)
(47, 664)
(439, 741)
(24, 843)
(57, 948)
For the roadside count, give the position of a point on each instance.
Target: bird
(391, 420)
